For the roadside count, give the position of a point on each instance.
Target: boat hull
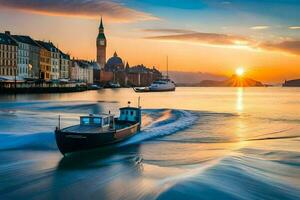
(154, 90)
(69, 142)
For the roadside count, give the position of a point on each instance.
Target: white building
(55, 60)
(24, 68)
(81, 71)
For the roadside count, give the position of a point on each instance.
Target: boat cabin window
(97, 120)
(105, 121)
(94, 120)
(85, 120)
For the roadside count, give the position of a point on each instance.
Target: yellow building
(8, 56)
(45, 62)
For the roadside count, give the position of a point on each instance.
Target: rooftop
(64, 56)
(25, 39)
(7, 40)
(48, 45)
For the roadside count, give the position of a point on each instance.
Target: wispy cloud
(289, 46)
(183, 31)
(294, 27)
(259, 27)
(79, 8)
(228, 40)
(203, 38)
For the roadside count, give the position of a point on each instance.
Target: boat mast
(139, 102)
(167, 66)
(58, 122)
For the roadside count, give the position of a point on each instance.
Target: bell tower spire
(101, 27)
(101, 45)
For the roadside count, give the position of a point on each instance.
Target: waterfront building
(54, 59)
(114, 64)
(113, 70)
(45, 62)
(28, 57)
(64, 65)
(141, 75)
(8, 56)
(101, 46)
(22, 59)
(81, 71)
(96, 73)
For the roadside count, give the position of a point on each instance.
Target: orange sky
(268, 53)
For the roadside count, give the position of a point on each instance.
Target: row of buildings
(23, 58)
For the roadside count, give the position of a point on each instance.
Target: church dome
(115, 62)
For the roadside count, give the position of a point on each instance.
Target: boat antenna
(139, 102)
(167, 66)
(58, 122)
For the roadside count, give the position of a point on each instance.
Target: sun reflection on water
(239, 99)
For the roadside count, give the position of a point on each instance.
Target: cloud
(111, 10)
(288, 46)
(294, 27)
(168, 31)
(227, 40)
(259, 27)
(203, 38)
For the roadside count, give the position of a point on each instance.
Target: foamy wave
(178, 120)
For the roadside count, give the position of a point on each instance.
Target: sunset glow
(153, 30)
(240, 71)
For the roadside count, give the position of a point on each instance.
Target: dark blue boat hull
(68, 142)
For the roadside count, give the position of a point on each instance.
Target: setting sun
(240, 71)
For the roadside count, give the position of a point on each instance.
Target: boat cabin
(130, 114)
(104, 120)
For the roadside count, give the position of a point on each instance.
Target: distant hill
(191, 78)
(199, 79)
(292, 83)
(233, 81)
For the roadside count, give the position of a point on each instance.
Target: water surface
(196, 143)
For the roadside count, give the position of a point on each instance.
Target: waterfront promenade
(42, 87)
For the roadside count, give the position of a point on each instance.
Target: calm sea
(196, 143)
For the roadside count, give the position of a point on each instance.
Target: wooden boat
(95, 131)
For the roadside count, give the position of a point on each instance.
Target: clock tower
(101, 46)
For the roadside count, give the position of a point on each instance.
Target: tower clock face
(102, 42)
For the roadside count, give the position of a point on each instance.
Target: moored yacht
(163, 84)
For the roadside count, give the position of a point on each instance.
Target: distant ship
(164, 84)
(95, 131)
(114, 85)
(292, 83)
(161, 85)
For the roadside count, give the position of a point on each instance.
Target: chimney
(7, 32)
